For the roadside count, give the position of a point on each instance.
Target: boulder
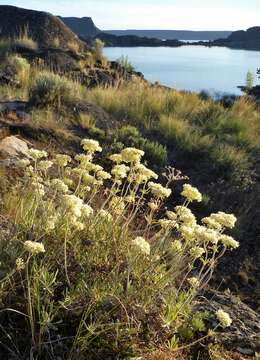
(244, 333)
(12, 147)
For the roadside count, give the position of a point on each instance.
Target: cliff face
(41, 26)
(83, 27)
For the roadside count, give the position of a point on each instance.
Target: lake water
(194, 68)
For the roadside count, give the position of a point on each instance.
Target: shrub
(21, 68)
(51, 90)
(105, 263)
(98, 50)
(155, 153)
(97, 133)
(124, 61)
(128, 134)
(5, 48)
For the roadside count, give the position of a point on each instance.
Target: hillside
(42, 27)
(124, 205)
(83, 27)
(173, 34)
(133, 41)
(249, 39)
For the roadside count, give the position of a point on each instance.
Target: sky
(155, 14)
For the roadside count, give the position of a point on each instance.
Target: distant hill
(133, 41)
(41, 26)
(83, 27)
(249, 39)
(173, 34)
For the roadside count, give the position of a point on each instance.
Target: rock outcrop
(248, 40)
(244, 333)
(42, 27)
(12, 146)
(83, 27)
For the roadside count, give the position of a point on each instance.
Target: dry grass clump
(92, 264)
(74, 46)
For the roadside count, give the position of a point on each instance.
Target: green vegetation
(93, 264)
(51, 90)
(5, 48)
(98, 50)
(250, 80)
(88, 261)
(226, 138)
(124, 61)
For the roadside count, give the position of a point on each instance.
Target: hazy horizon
(195, 15)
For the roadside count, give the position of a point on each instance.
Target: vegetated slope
(83, 27)
(173, 34)
(119, 282)
(42, 27)
(217, 147)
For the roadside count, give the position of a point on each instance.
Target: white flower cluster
(223, 318)
(91, 146)
(34, 248)
(62, 160)
(191, 193)
(132, 155)
(159, 191)
(59, 185)
(45, 165)
(120, 171)
(194, 282)
(116, 158)
(37, 154)
(142, 245)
